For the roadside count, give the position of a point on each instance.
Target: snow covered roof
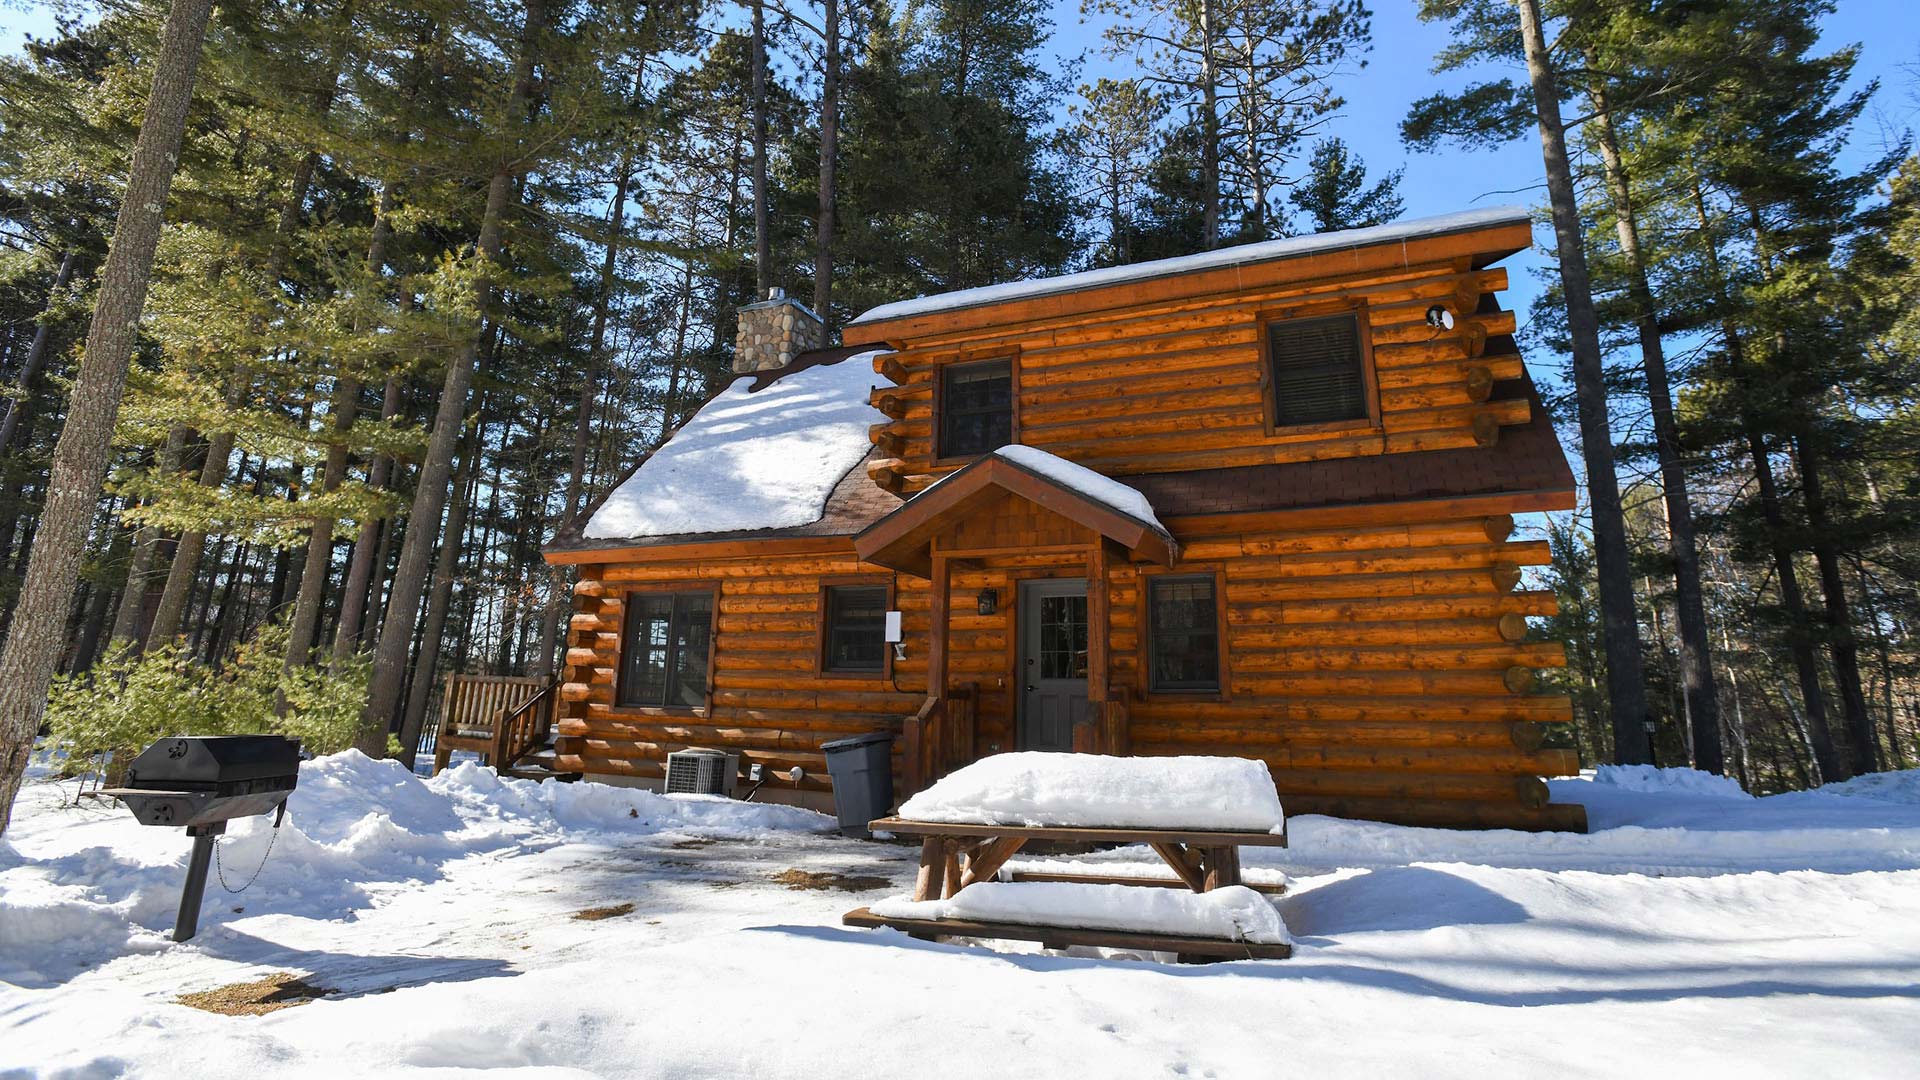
(1101, 489)
(750, 459)
(1411, 229)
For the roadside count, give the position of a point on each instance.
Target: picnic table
(954, 856)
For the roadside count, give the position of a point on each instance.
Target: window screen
(976, 408)
(1316, 367)
(1184, 643)
(856, 628)
(663, 658)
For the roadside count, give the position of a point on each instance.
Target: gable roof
(1219, 258)
(902, 539)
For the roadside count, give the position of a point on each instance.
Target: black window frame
(945, 414)
(829, 615)
(1366, 394)
(1156, 644)
(671, 695)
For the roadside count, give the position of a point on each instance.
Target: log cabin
(1257, 501)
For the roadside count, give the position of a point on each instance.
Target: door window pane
(1184, 647)
(1063, 637)
(856, 628)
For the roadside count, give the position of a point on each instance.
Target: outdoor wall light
(988, 601)
(1439, 317)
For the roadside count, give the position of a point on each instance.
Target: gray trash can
(862, 772)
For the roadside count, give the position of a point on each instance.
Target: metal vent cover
(701, 772)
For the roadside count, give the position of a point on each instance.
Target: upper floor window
(854, 629)
(665, 652)
(976, 408)
(1317, 371)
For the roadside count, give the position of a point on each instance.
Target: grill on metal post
(202, 782)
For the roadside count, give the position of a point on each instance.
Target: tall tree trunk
(431, 491)
(367, 547)
(1626, 689)
(346, 404)
(1841, 644)
(447, 568)
(1813, 716)
(1696, 648)
(80, 458)
(1209, 130)
(130, 622)
(762, 239)
(36, 359)
(829, 154)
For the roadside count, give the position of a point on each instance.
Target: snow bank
(547, 806)
(1079, 478)
(750, 460)
(83, 885)
(1894, 787)
(1235, 913)
(1681, 781)
(1291, 247)
(1034, 789)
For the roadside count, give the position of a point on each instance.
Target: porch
(1047, 674)
(506, 719)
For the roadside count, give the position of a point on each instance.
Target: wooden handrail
(938, 737)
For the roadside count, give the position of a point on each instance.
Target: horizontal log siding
(1172, 386)
(1370, 667)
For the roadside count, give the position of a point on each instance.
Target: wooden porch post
(1097, 635)
(937, 630)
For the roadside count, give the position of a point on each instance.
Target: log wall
(1137, 387)
(1382, 670)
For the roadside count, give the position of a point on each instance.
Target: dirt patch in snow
(815, 880)
(271, 994)
(595, 914)
(692, 845)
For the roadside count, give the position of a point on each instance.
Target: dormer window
(1319, 372)
(975, 412)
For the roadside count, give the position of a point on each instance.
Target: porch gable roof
(903, 539)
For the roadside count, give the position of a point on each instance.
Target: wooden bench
(956, 855)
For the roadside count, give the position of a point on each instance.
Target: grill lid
(211, 762)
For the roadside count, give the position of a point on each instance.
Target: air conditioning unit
(702, 772)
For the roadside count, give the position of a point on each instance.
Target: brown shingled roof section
(1527, 458)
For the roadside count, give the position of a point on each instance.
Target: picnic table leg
(986, 860)
(950, 867)
(1222, 867)
(1182, 859)
(933, 862)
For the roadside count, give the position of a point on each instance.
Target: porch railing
(938, 738)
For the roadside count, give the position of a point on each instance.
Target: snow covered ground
(1695, 931)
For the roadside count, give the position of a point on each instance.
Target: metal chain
(221, 871)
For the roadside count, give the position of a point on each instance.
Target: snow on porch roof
(1293, 246)
(765, 458)
(1110, 508)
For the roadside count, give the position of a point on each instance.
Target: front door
(1052, 635)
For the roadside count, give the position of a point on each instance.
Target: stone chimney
(774, 331)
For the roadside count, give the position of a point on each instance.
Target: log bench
(956, 855)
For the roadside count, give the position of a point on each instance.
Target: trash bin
(862, 772)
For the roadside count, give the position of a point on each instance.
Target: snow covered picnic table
(1195, 813)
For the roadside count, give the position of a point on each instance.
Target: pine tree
(1335, 194)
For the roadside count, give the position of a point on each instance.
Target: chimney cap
(776, 293)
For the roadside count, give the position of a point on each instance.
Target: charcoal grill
(202, 782)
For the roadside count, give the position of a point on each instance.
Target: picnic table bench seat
(955, 855)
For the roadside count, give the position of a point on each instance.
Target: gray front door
(1052, 635)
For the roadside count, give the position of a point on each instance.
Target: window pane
(692, 626)
(976, 407)
(643, 661)
(1317, 374)
(1063, 637)
(856, 628)
(1184, 650)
